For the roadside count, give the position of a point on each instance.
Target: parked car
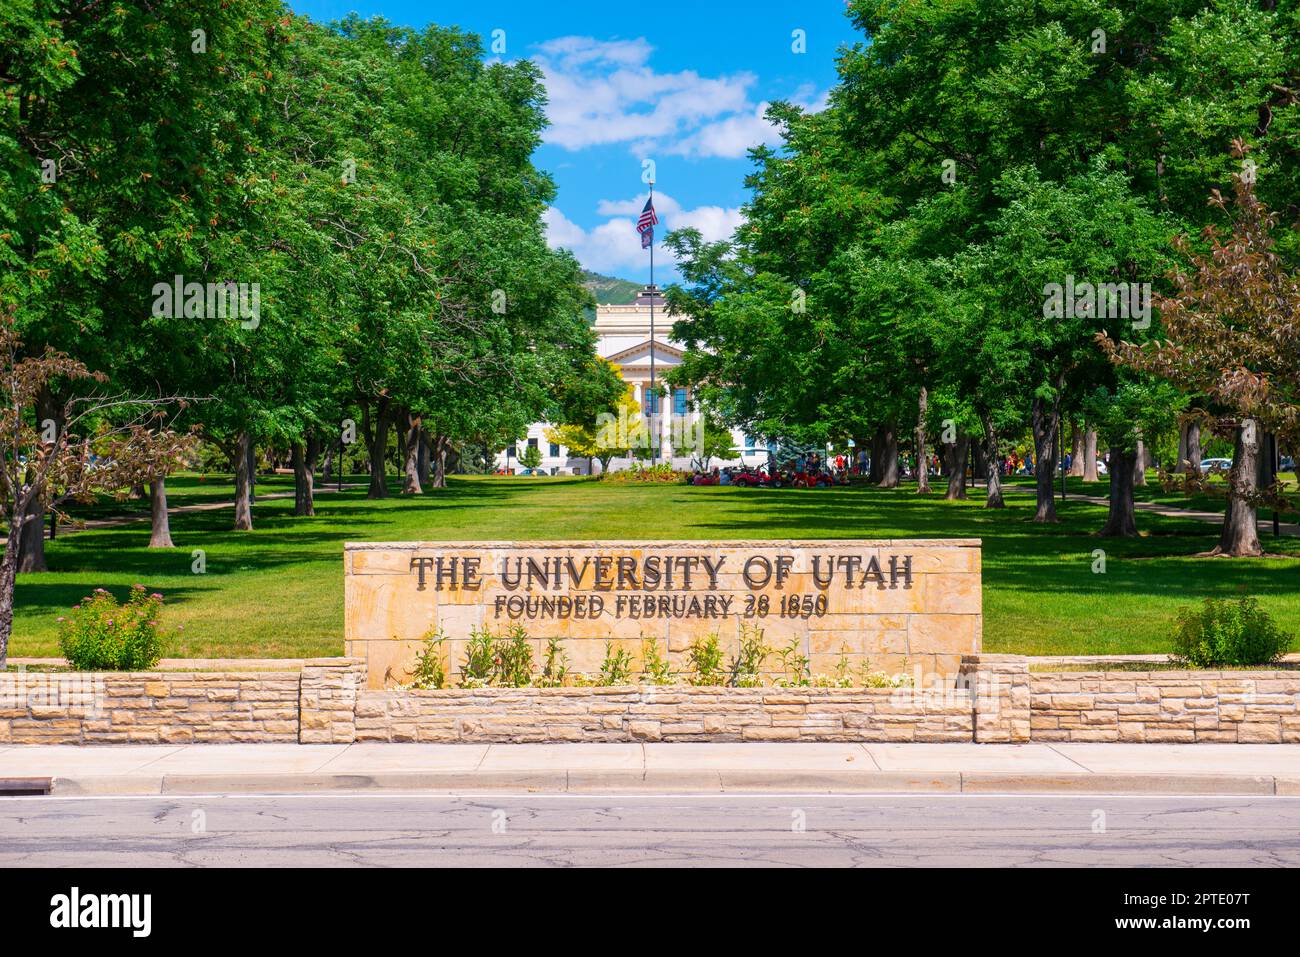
(1210, 464)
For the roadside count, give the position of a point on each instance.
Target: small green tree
(531, 457)
(1134, 407)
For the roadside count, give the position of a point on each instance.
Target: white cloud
(729, 138)
(605, 92)
(733, 136)
(713, 222)
(614, 247)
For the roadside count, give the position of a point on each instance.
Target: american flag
(646, 224)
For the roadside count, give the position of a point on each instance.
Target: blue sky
(681, 83)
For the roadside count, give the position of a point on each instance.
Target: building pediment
(640, 353)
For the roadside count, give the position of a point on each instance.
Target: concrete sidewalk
(702, 768)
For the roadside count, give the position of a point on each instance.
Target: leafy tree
(593, 389)
(100, 442)
(1138, 406)
(125, 159)
(1230, 335)
(531, 458)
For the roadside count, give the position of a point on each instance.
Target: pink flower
(156, 595)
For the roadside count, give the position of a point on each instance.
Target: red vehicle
(749, 477)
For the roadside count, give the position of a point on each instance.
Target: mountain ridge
(610, 290)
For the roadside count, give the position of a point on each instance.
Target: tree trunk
(1180, 466)
(1140, 465)
(303, 455)
(1076, 450)
(422, 459)
(160, 533)
(1121, 520)
(411, 461)
(8, 571)
(877, 454)
(243, 484)
(922, 473)
(327, 467)
(440, 461)
(136, 493)
(1240, 536)
(1090, 456)
(31, 540)
(377, 448)
(1194, 449)
(252, 471)
(992, 455)
(956, 454)
(1046, 422)
(889, 457)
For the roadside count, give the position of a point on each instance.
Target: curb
(699, 781)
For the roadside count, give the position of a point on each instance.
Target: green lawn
(1152, 492)
(185, 490)
(278, 591)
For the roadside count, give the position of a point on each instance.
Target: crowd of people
(836, 468)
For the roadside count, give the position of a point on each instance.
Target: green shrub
(498, 661)
(655, 669)
(480, 659)
(101, 635)
(746, 667)
(705, 656)
(514, 659)
(430, 671)
(794, 666)
(1224, 632)
(555, 666)
(616, 669)
(640, 474)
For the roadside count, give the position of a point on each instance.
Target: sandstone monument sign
(895, 603)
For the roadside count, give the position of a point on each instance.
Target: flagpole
(655, 396)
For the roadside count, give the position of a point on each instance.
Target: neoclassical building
(623, 337)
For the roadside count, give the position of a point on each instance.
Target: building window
(679, 401)
(532, 443)
(555, 451)
(651, 401)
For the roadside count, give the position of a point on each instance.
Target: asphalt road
(649, 830)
